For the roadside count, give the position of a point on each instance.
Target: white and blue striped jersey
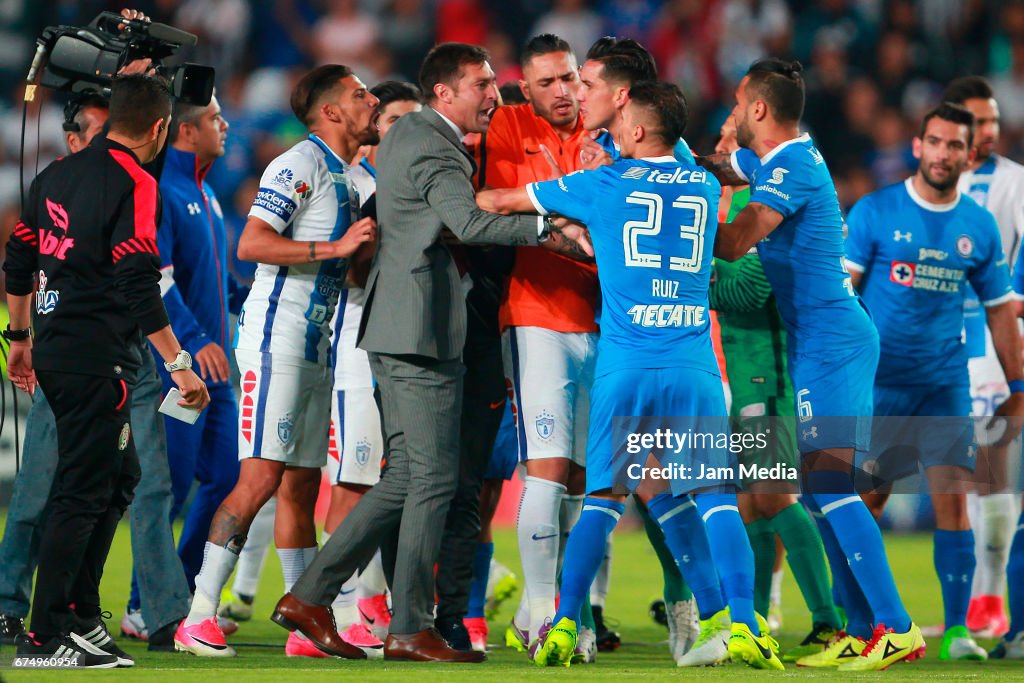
(306, 195)
(351, 364)
(997, 185)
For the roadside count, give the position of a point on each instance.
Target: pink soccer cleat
(376, 615)
(359, 636)
(204, 639)
(478, 632)
(298, 646)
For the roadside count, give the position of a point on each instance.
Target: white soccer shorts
(285, 410)
(356, 444)
(550, 374)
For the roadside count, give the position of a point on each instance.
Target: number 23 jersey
(653, 224)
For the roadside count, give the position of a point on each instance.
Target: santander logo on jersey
(50, 243)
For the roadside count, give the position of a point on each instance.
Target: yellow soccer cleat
(842, 647)
(516, 638)
(758, 652)
(886, 648)
(556, 644)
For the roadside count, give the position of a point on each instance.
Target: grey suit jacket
(414, 299)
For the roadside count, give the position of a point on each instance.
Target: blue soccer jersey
(653, 225)
(917, 259)
(803, 256)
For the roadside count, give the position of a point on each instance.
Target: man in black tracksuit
(86, 248)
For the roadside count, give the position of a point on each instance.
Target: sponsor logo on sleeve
(274, 202)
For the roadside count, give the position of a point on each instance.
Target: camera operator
(88, 238)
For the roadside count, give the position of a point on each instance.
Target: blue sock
(478, 589)
(134, 601)
(584, 553)
(687, 538)
(861, 541)
(954, 563)
(844, 586)
(730, 549)
(1015, 579)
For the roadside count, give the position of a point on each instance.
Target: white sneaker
(132, 625)
(712, 646)
(683, 626)
(1009, 649)
(586, 646)
(961, 649)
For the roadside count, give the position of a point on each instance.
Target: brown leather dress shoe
(427, 646)
(316, 623)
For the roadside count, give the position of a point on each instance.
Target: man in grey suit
(414, 328)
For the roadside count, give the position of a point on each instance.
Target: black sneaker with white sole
(93, 634)
(61, 652)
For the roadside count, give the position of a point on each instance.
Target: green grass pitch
(636, 580)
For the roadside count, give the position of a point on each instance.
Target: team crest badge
(545, 425)
(302, 188)
(285, 428)
(902, 273)
(362, 453)
(122, 441)
(964, 246)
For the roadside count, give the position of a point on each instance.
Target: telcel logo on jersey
(678, 176)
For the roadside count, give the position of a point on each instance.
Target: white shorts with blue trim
(356, 444)
(285, 409)
(550, 374)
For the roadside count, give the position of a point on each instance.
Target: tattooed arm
(569, 238)
(749, 227)
(721, 166)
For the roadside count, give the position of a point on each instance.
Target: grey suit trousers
(421, 402)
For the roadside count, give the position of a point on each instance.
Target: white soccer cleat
(1009, 649)
(712, 646)
(683, 626)
(132, 625)
(586, 646)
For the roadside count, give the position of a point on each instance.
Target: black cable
(21, 156)
(3, 409)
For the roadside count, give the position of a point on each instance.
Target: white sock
(537, 529)
(599, 589)
(254, 553)
(293, 563)
(522, 617)
(218, 562)
(371, 580)
(568, 515)
(776, 593)
(998, 515)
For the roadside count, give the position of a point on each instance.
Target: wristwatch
(183, 361)
(16, 335)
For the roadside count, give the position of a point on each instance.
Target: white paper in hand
(170, 408)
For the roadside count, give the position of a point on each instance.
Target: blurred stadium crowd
(873, 66)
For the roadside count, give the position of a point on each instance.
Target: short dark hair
(313, 86)
(444, 62)
(396, 91)
(544, 44)
(779, 83)
(511, 93)
(954, 113)
(184, 113)
(966, 88)
(137, 102)
(624, 60)
(666, 103)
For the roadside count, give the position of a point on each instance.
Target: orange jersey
(545, 289)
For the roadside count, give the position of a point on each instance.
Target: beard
(744, 136)
(944, 184)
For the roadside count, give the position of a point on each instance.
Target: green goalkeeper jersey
(753, 339)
